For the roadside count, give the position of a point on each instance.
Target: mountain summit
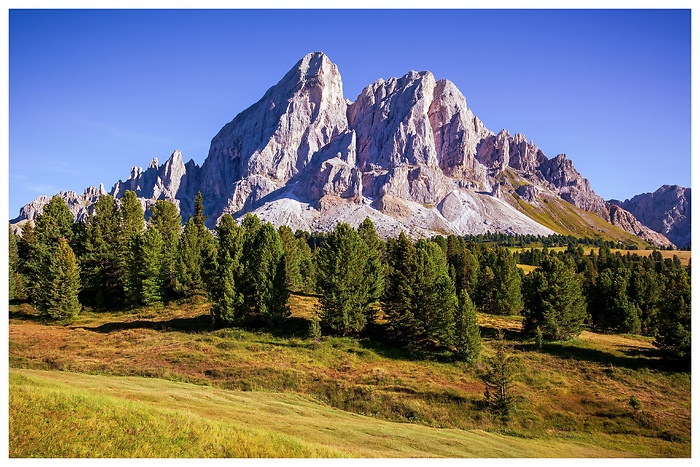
(407, 153)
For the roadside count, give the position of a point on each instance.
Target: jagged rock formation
(667, 211)
(408, 153)
(80, 205)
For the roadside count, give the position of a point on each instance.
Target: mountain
(667, 210)
(407, 153)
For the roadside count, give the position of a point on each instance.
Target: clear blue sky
(94, 92)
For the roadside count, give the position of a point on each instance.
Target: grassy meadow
(162, 382)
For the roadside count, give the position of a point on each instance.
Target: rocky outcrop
(407, 153)
(666, 211)
(628, 222)
(80, 205)
(565, 180)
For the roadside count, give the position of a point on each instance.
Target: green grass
(571, 397)
(59, 414)
(566, 219)
(56, 414)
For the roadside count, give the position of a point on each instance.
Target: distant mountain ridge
(407, 153)
(667, 211)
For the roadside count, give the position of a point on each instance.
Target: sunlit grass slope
(62, 414)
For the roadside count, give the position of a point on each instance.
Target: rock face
(407, 153)
(666, 211)
(80, 205)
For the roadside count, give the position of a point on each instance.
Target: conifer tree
(54, 223)
(673, 333)
(147, 284)
(129, 244)
(307, 264)
(14, 279)
(403, 326)
(498, 379)
(199, 217)
(434, 299)
(467, 336)
(57, 292)
(25, 249)
(196, 248)
(375, 270)
(644, 292)
(292, 257)
(554, 302)
(166, 219)
(225, 295)
(100, 263)
(188, 278)
(612, 309)
(263, 284)
(346, 295)
(131, 220)
(501, 294)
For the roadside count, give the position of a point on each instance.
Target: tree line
(420, 294)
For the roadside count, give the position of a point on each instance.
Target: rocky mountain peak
(408, 153)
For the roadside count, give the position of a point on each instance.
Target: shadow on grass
(188, 325)
(633, 359)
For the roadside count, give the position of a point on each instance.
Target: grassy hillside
(566, 219)
(162, 382)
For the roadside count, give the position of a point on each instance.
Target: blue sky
(94, 92)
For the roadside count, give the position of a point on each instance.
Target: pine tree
(403, 326)
(346, 295)
(374, 274)
(507, 285)
(25, 249)
(166, 219)
(644, 292)
(54, 224)
(263, 284)
(188, 278)
(196, 248)
(554, 302)
(292, 259)
(199, 217)
(148, 267)
(434, 299)
(307, 264)
(613, 310)
(498, 379)
(467, 336)
(15, 289)
(673, 333)
(58, 287)
(131, 220)
(226, 297)
(131, 224)
(100, 263)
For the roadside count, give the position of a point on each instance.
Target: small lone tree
(498, 379)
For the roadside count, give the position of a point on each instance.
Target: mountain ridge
(408, 153)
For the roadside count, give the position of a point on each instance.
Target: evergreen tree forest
(417, 294)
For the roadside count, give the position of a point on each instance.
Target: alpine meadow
(383, 277)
